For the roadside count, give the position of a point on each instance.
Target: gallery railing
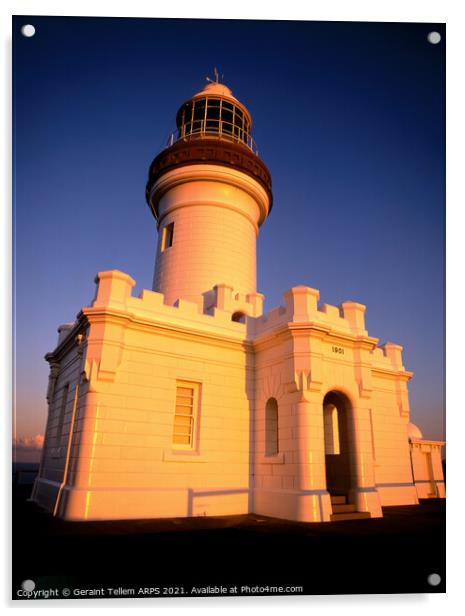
(212, 129)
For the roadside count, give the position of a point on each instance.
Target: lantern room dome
(216, 89)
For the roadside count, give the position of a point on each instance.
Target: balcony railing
(212, 129)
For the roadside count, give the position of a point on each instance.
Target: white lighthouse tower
(189, 400)
(209, 192)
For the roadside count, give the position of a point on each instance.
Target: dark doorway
(337, 417)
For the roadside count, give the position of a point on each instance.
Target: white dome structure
(413, 431)
(216, 89)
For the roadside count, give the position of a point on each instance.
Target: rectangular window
(167, 237)
(185, 415)
(61, 416)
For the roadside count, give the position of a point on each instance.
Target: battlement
(224, 308)
(226, 313)
(388, 355)
(301, 306)
(223, 312)
(222, 297)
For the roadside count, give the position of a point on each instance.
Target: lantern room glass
(213, 116)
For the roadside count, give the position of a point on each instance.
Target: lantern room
(214, 112)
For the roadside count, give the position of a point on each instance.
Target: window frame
(193, 444)
(209, 122)
(167, 237)
(272, 406)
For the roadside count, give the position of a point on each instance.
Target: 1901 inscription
(337, 349)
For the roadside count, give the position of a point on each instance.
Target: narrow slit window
(271, 428)
(167, 237)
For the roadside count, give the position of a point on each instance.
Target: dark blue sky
(349, 118)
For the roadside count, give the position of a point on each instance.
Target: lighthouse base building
(190, 400)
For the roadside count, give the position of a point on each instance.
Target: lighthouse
(189, 399)
(209, 193)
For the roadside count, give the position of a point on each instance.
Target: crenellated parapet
(221, 304)
(388, 356)
(224, 317)
(222, 297)
(227, 315)
(301, 307)
(342, 327)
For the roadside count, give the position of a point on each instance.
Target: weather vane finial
(217, 76)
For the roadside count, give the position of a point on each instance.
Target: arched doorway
(338, 443)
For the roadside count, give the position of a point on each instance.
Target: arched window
(238, 317)
(331, 423)
(271, 428)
